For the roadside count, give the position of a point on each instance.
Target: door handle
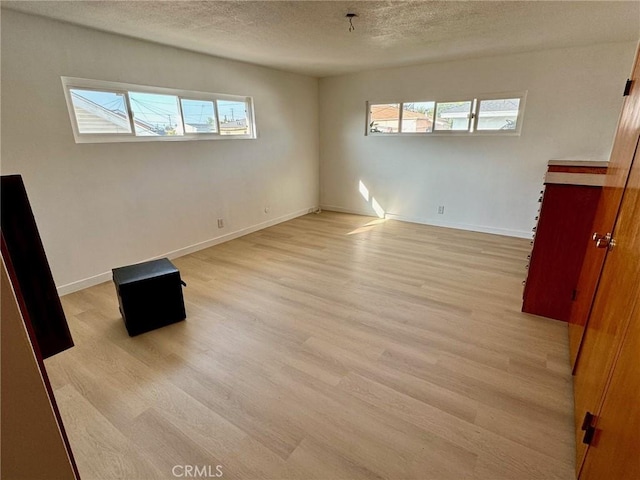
(588, 428)
(604, 241)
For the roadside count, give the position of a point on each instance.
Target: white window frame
(196, 98)
(69, 83)
(383, 134)
(500, 96)
(473, 121)
(400, 132)
(469, 117)
(102, 136)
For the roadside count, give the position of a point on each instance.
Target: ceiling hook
(351, 16)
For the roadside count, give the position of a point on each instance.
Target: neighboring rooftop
(509, 105)
(391, 112)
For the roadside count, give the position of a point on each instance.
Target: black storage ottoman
(150, 295)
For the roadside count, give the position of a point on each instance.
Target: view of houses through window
(119, 113)
(453, 116)
(484, 114)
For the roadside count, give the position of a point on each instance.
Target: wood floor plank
(332, 346)
(314, 460)
(101, 450)
(516, 460)
(168, 445)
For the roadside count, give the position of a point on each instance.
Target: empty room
(320, 240)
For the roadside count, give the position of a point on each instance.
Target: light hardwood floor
(331, 346)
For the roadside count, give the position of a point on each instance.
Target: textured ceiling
(312, 37)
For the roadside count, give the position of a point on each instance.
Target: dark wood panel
(31, 272)
(561, 240)
(572, 169)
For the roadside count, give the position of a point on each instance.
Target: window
(417, 117)
(453, 116)
(498, 114)
(199, 116)
(117, 112)
(487, 114)
(100, 112)
(155, 115)
(233, 118)
(384, 118)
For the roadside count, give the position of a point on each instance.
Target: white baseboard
(353, 211)
(461, 226)
(435, 223)
(106, 276)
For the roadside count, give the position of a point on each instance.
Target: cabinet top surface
(577, 163)
(585, 179)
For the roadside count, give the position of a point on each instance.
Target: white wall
(485, 183)
(99, 206)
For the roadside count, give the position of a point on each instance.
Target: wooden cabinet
(568, 205)
(607, 369)
(29, 270)
(34, 442)
(613, 452)
(622, 154)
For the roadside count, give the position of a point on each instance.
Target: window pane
(198, 116)
(384, 118)
(155, 115)
(498, 114)
(417, 117)
(100, 112)
(453, 116)
(233, 117)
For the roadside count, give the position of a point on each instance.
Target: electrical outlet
(441, 210)
(220, 223)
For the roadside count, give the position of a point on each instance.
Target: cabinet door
(622, 154)
(613, 305)
(565, 221)
(614, 450)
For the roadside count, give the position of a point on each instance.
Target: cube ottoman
(150, 295)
